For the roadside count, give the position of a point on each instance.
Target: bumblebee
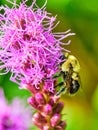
(70, 69)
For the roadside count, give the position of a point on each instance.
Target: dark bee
(70, 69)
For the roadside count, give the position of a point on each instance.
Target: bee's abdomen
(74, 87)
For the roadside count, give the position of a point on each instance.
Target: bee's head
(62, 58)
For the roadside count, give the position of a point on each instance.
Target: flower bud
(51, 102)
(40, 98)
(55, 120)
(39, 120)
(56, 98)
(35, 120)
(62, 124)
(58, 108)
(46, 127)
(58, 128)
(47, 109)
(32, 89)
(33, 102)
(45, 89)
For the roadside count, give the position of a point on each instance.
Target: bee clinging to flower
(69, 73)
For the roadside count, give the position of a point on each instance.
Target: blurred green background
(81, 16)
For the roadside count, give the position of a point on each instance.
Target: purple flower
(28, 47)
(15, 116)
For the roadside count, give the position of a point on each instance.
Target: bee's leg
(60, 84)
(60, 91)
(65, 75)
(56, 76)
(53, 77)
(62, 57)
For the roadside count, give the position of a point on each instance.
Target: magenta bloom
(28, 48)
(15, 116)
(31, 52)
